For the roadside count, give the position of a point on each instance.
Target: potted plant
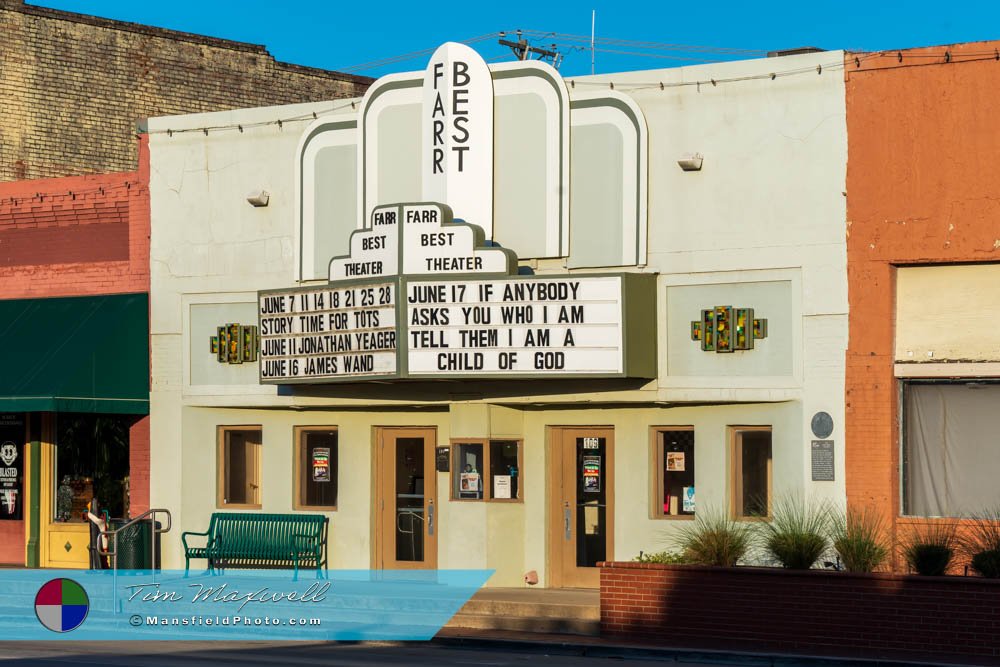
(714, 539)
(796, 534)
(929, 548)
(858, 537)
(980, 543)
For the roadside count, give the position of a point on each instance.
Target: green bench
(261, 541)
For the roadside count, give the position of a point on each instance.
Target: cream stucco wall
(766, 209)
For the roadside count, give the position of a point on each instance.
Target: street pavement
(224, 654)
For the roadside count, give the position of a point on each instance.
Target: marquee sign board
(434, 242)
(342, 331)
(456, 310)
(568, 325)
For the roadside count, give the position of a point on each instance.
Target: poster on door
(321, 464)
(11, 467)
(591, 474)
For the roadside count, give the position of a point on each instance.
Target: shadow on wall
(807, 612)
(447, 390)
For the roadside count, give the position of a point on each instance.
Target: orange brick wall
(62, 212)
(78, 236)
(923, 136)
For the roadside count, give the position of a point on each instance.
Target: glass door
(406, 518)
(583, 518)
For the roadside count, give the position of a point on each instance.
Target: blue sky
(338, 35)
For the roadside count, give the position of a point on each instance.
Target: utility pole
(593, 20)
(523, 50)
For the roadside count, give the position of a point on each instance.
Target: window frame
(297, 433)
(220, 486)
(657, 471)
(735, 472)
(905, 385)
(487, 493)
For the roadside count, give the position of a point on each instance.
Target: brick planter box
(955, 619)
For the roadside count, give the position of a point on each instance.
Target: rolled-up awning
(75, 354)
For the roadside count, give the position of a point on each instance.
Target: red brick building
(74, 258)
(923, 244)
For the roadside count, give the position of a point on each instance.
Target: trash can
(135, 545)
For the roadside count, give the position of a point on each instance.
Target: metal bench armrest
(185, 534)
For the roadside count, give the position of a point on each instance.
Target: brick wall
(74, 86)
(955, 619)
(922, 136)
(138, 467)
(78, 236)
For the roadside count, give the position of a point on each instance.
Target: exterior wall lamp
(691, 161)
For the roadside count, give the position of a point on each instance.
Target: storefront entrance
(581, 514)
(405, 490)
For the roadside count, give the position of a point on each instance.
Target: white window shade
(951, 452)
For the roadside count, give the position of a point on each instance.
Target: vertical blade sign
(458, 134)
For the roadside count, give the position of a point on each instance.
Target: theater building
(488, 317)
(923, 250)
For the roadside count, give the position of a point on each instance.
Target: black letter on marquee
(460, 150)
(460, 70)
(460, 128)
(456, 100)
(438, 129)
(438, 158)
(437, 73)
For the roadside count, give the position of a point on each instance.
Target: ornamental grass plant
(929, 548)
(714, 538)
(796, 534)
(858, 537)
(661, 557)
(980, 542)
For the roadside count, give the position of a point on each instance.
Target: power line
(660, 55)
(609, 41)
(925, 60)
(412, 55)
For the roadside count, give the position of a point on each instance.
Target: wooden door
(406, 525)
(581, 514)
(62, 544)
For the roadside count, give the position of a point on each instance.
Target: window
(486, 470)
(92, 461)
(316, 468)
(468, 471)
(751, 459)
(505, 469)
(239, 467)
(950, 462)
(674, 470)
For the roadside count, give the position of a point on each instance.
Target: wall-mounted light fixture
(727, 329)
(235, 343)
(258, 198)
(691, 161)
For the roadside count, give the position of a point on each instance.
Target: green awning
(75, 354)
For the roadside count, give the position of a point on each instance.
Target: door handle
(567, 518)
(430, 517)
